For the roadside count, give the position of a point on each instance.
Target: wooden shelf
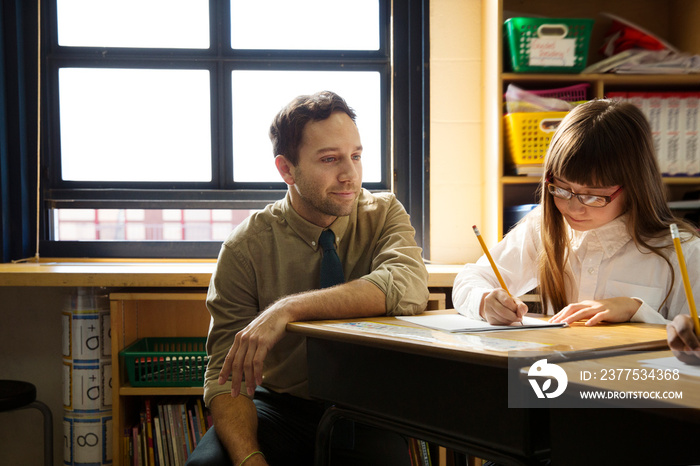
(606, 79)
(682, 180)
(672, 20)
(671, 180)
(132, 274)
(150, 314)
(128, 390)
(520, 179)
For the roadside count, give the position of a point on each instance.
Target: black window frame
(407, 172)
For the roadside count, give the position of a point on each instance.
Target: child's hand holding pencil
(682, 340)
(499, 307)
(684, 332)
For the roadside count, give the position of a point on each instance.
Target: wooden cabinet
(667, 19)
(139, 315)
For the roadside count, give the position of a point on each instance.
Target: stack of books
(167, 432)
(419, 452)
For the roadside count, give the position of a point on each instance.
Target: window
(158, 112)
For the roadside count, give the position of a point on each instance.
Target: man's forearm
(251, 345)
(358, 298)
(236, 423)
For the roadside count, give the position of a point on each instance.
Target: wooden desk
(622, 369)
(447, 388)
(646, 432)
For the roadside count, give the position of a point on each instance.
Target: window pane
(305, 24)
(133, 23)
(146, 225)
(259, 95)
(135, 125)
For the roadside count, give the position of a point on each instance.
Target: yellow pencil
(493, 264)
(686, 281)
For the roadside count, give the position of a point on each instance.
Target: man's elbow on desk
(402, 300)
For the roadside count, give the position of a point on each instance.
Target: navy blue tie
(332, 274)
(331, 268)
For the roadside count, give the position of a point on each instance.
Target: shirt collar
(609, 237)
(306, 230)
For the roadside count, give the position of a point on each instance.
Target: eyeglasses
(589, 200)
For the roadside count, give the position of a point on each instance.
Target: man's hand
(358, 298)
(682, 339)
(608, 310)
(251, 345)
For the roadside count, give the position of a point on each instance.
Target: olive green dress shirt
(275, 253)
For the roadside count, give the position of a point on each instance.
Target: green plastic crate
(560, 44)
(166, 362)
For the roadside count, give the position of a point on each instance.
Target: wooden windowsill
(130, 273)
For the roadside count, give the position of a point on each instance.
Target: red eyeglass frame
(608, 199)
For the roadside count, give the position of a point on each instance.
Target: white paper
(463, 324)
(672, 363)
(455, 340)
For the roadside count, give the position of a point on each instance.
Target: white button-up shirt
(604, 263)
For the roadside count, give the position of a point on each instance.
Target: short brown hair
(288, 126)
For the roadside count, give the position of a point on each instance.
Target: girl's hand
(682, 339)
(603, 310)
(499, 308)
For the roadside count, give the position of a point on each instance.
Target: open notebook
(463, 324)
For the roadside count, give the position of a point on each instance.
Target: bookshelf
(670, 20)
(139, 315)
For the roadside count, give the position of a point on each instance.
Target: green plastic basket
(166, 362)
(547, 45)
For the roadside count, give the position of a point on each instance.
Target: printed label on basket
(87, 439)
(552, 52)
(87, 387)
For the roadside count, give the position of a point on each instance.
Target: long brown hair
(603, 143)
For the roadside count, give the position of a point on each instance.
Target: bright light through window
(253, 112)
(146, 224)
(147, 117)
(135, 125)
(305, 24)
(133, 23)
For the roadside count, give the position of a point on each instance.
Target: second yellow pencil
(686, 281)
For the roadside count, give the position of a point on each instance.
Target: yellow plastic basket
(528, 135)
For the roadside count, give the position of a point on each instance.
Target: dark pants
(287, 432)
